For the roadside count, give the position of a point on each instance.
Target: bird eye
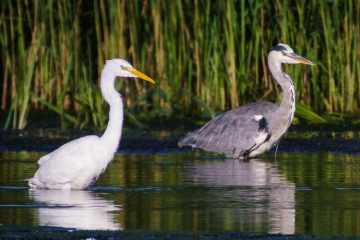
(122, 67)
(283, 52)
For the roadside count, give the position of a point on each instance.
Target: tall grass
(204, 55)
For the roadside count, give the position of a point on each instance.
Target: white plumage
(79, 163)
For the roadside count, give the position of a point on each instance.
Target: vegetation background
(205, 56)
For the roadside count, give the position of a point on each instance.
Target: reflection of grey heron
(77, 164)
(254, 193)
(253, 129)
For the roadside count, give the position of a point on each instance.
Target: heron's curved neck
(112, 134)
(287, 106)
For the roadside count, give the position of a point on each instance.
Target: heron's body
(78, 164)
(253, 129)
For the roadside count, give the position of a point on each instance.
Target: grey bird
(250, 130)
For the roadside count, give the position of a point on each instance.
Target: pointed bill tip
(140, 75)
(305, 61)
(300, 59)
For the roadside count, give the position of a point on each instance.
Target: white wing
(72, 160)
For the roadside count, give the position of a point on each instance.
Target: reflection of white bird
(77, 164)
(75, 209)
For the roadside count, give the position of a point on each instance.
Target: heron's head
(283, 53)
(122, 68)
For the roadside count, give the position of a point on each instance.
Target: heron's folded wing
(231, 135)
(235, 132)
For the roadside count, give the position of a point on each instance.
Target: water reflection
(265, 198)
(189, 192)
(74, 209)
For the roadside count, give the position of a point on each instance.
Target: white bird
(79, 163)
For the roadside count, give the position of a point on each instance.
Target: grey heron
(253, 129)
(78, 164)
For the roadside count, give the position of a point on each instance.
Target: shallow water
(314, 194)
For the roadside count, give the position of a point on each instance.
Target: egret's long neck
(112, 135)
(287, 107)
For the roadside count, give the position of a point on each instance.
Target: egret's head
(283, 53)
(122, 68)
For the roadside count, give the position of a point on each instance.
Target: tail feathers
(34, 183)
(188, 140)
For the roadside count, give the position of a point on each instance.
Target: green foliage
(55, 109)
(305, 112)
(203, 54)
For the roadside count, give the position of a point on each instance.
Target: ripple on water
(192, 191)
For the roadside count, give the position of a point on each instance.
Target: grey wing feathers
(234, 133)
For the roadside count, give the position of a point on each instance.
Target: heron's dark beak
(300, 59)
(139, 74)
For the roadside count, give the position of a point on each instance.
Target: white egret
(78, 164)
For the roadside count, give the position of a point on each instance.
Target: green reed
(204, 55)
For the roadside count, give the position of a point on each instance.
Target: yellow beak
(300, 59)
(139, 74)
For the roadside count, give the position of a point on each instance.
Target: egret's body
(253, 129)
(78, 164)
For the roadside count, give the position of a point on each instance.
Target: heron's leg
(277, 145)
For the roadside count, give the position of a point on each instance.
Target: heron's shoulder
(252, 109)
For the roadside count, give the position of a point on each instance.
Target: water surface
(314, 193)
